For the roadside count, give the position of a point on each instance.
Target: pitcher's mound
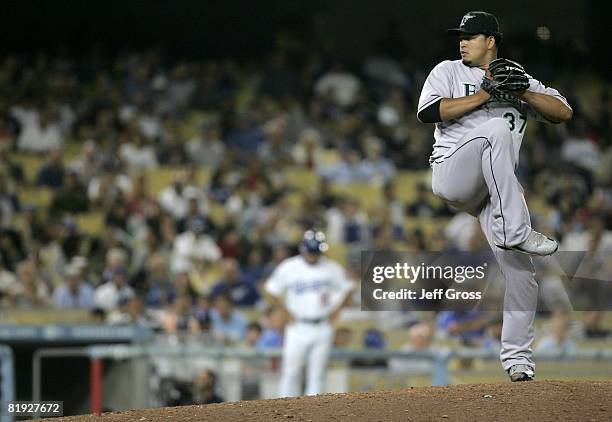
(536, 400)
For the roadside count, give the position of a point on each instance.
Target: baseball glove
(506, 76)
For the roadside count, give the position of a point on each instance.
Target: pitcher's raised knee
(499, 125)
(499, 131)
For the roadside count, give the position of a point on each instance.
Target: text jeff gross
(435, 294)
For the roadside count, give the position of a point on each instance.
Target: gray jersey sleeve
(438, 85)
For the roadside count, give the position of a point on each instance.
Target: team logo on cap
(465, 19)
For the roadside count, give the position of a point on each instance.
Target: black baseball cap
(477, 22)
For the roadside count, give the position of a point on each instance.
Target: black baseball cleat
(519, 373)
(535, 244)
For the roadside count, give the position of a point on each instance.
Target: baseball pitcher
(480, 105)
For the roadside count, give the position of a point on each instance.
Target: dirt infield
(538, 401)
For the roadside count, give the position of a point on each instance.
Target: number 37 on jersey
(516, 121)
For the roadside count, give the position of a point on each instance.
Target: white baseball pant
(477, 176)
(309, 344)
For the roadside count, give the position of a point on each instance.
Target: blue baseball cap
(314, 242)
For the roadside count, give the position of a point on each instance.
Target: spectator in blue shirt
(272, 336)
(232, 283)
(254, 270)
(228, 324)
(346, 170)
(468, 326)
(247, 135)
(74, 293)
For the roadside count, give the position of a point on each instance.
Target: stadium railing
(7, 382)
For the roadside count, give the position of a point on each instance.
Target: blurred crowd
(191, 256)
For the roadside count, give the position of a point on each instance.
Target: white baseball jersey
(311, 291)
(453, 79)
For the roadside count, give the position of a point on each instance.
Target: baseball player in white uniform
(312, 289)
(480, 106)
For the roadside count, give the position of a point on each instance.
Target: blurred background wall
(578, 29)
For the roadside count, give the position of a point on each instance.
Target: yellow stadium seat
(71, 151)
(406, 183)
(330, 156)
(41, 197)
(538, 206)
(429, 226)
(190, 127)
(30, 163)
(338, 252)
(294, 199)
(46, 316)
(302, 179)
(161, 177)
(202, 282)
(368, 196)
(217, 213)
(91, 223)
